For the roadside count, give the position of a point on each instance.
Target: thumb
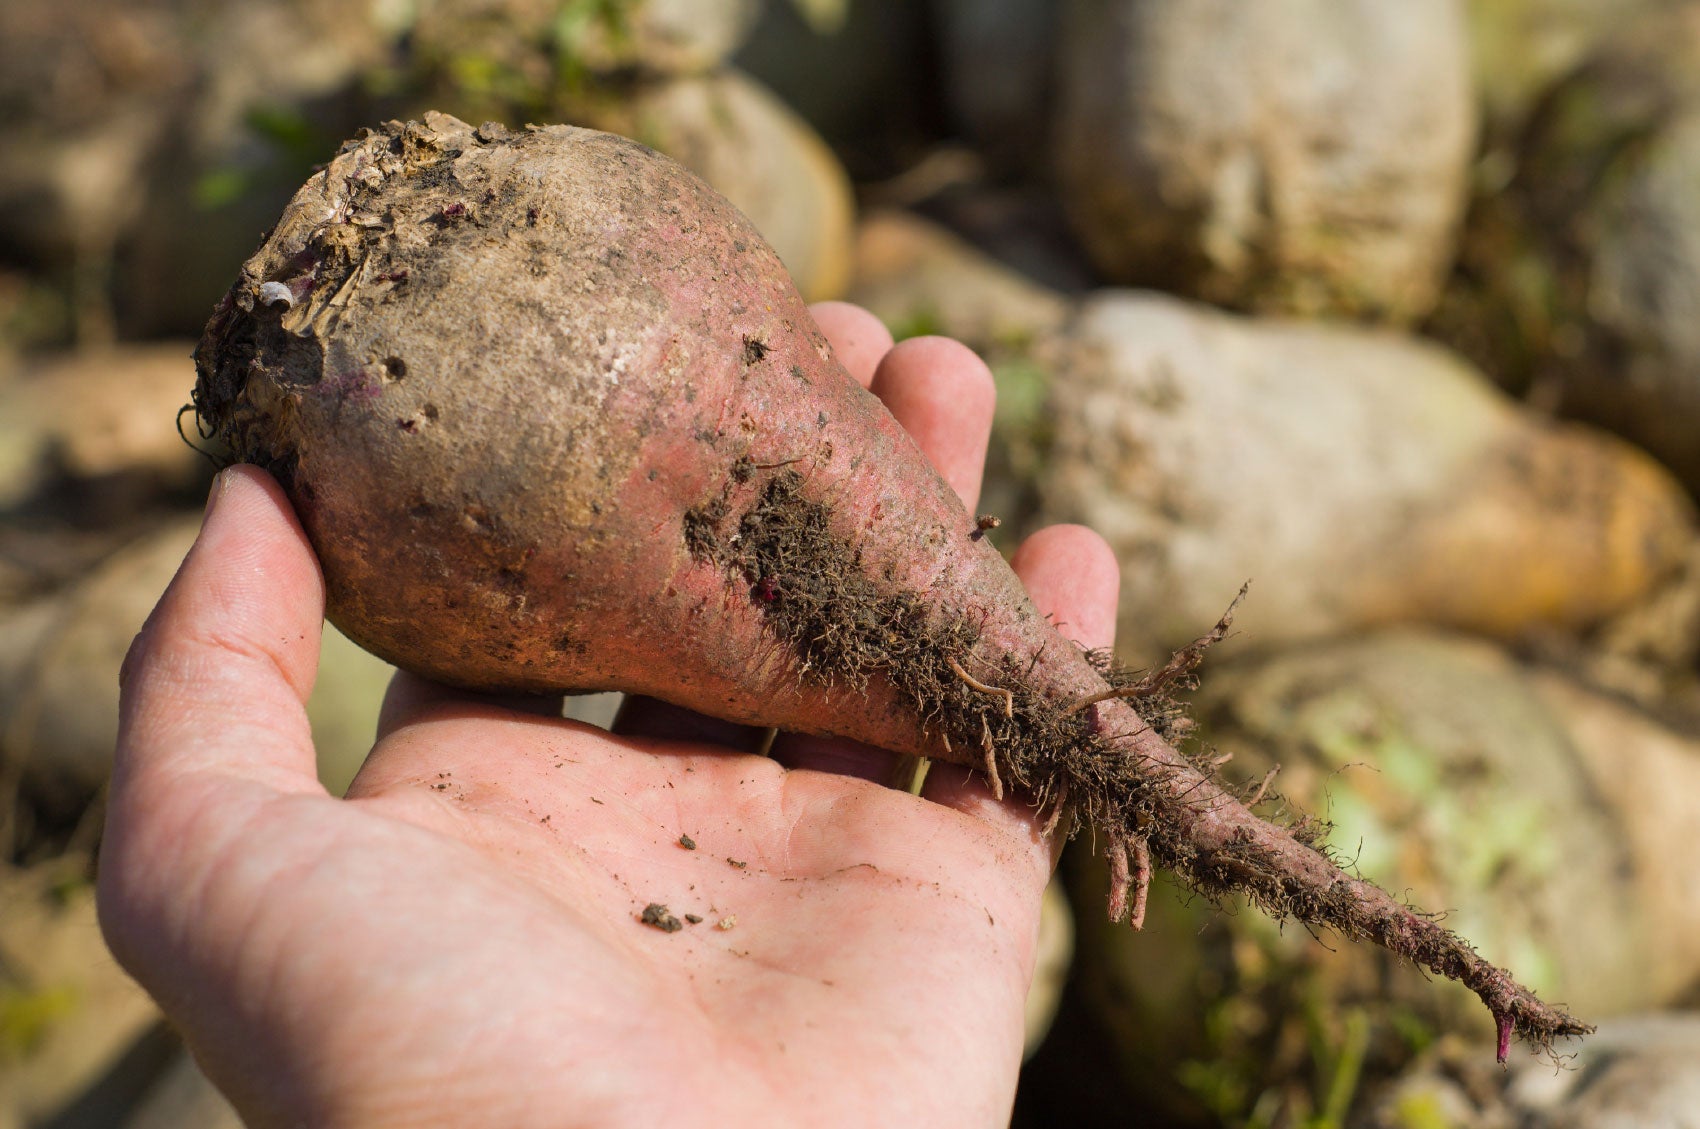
(215, 685)
(212, 730)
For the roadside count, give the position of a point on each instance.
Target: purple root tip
(1505, 1024)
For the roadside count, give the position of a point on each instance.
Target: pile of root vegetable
(1386, 312)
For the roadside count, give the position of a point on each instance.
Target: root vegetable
(101, 418)
(1457, 778)
(1364, 478)
(554, 418)
(1286, 157)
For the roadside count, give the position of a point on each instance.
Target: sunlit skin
(458, 942)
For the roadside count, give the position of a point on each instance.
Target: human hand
(458, 941)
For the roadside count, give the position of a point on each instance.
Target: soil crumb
(659, 916)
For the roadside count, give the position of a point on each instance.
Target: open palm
(461, 942)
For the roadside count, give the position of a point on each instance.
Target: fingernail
(213, 495)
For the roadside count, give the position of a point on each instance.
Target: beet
(555, 419)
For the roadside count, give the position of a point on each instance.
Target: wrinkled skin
(458, 943)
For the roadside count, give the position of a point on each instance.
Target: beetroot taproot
(554, 418)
